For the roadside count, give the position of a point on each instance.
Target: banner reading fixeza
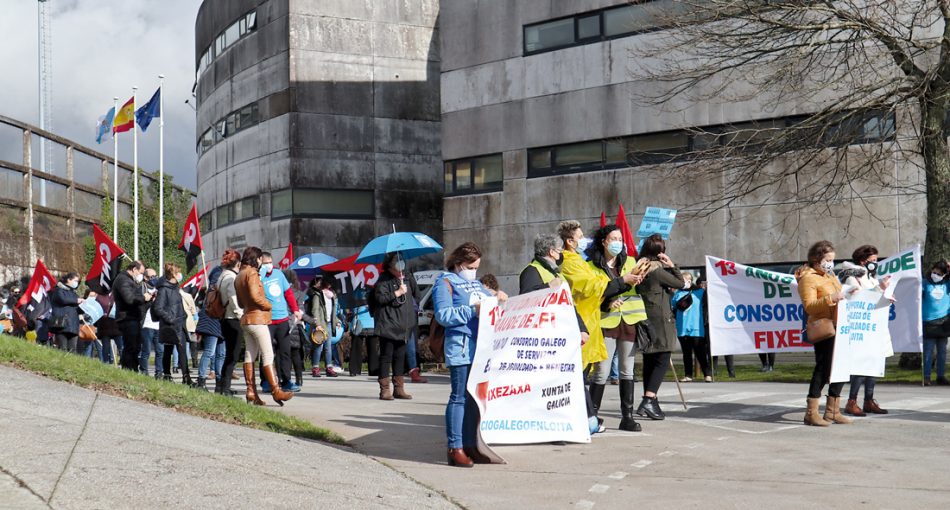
(752, 310)
(526, 375)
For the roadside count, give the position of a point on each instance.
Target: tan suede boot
(399, 388)
(833, 412)
(385, 392)
(812, 416)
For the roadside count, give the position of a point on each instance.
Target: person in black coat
(395, 318)
(210, 334)
(129, 302)
(64, 320)
(169, 311)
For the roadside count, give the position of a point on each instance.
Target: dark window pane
(251, 21)
(589, 27)
(878, 127)
(539, 158)
(325, 202)
(281, 203)
(616, 152)
(646, 149)
(488, 172)
(204, 222)
(643, 16)
(448, 178)
(223, 216)
(463, 175)
(549, 35)
(579, 154)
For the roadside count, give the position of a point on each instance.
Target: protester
(861, 273)
(230, 325)
(129, 304)
(283, 304)
(107, 330)
(209, 332)
(395, 319)
(362, 332)
(64, 321)
(254, 325)
(457, 297)
(191, 325)
(768, 361)
(660, 278)
(169, 311)
(321, 305)
(490, 282)
(620, 310)
(820, 293)
(150, 340)
(690, 328)
(936, 317)
(298, 336)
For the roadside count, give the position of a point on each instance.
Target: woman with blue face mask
(936, 317)
(395, 320)
(64, 320)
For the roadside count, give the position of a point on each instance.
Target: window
(579, 155)
(245, 209)
(232, 123)
(281, 204)
(549, 36)
(334, 203)
(658, 148)
(479, 174)
(204, 222)
(588, 28)
(231, 35)
(222, 216)
(207, 140)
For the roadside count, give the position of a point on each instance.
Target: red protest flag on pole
(36, 292)
(191, 239)
(106, 262)
(628, 239)
(288, 257)
(198, 280)
(603, 219)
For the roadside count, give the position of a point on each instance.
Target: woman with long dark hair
(64, 319)
(169, 311)
(231, 323)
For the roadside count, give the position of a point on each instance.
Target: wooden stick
(678, 387)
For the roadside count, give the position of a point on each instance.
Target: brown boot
(833, 412)
(812, 417)
(870, 406)
(250, 380)
(458, 458)
(476, 456)
(415, 377)
(853, 409)
(385, 393)
(399, 385)
(280, 396)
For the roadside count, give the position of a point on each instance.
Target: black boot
(201, 384)
(649, 407)
(186, 379)
(656, 405)
(626, 407)
(596, 396)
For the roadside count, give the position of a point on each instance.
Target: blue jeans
(324, 350)
(856, 382)
(615, 366)
(411, 351)
(220, 351)
(941, 345)
(106, 355)
(209, 344)
(150, 342)
(461, 413)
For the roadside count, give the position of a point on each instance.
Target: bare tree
(871, 78)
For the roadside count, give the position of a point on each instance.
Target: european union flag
(152, 109)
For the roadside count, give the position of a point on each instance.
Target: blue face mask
(614, 248)
(583, 244)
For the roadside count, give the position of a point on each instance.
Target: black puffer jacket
(394, 316)
(129, 299)
(65, 303)
(169, 311)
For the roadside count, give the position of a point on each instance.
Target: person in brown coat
(250, 296)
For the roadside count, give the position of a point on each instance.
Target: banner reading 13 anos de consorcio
(526, 374)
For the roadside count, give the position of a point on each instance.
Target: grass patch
(95, 375)
(801, 373)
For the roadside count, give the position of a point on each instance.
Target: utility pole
(45, 46)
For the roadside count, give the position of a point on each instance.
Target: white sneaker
(686, 379)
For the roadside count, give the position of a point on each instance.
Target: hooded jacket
(129, 299)
(395, 317)
(168, 309)
(587, 289)
(656, 289)
(250, 297)
(65, 303)
(816, 288)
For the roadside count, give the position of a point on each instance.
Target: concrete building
(317, 122)
(539, 125)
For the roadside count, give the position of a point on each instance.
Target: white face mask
(827, 266)
(73, 285)
(266, 268)
(178, 276)
(936, 277)
(139, 278)
(467, 274)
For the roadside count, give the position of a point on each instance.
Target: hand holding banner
(863, 339)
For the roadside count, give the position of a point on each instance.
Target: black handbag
(168, 335)
(645, 335)
(937, 328)
(58, 323)
(685, 302)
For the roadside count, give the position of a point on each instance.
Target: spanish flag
(125, 117)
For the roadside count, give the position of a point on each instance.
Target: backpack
(214, 303)
(371, 302)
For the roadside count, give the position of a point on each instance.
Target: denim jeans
(325, 351)
(209, 344)
(615, 366)
(461, 413)
(220, 351)
(929, 345)
(411, 352)
(150, 342)
(856, 382)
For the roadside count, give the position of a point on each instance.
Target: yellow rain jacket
(587, 288)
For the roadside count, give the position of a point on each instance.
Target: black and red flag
(288, 257)
(199, 280)
(191, 239)
(106, 263)
(35, 296)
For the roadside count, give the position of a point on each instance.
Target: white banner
(863, 340)
(526, 375)
(752, 310)
(907, 333)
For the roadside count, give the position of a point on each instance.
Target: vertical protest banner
(907, 334)
(352, 279)
(863, 338)
(752, 310)
(526, 374)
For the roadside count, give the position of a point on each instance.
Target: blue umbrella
(408, 244)
(310, 264)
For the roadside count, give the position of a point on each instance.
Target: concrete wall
(495, 100)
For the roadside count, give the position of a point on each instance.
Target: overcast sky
(101, 48)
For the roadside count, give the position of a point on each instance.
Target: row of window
(240, 28)
(596, 26)
(474, 175)
(231, 124)
(657, 148)
(309, 203)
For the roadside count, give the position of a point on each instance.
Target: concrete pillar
(70, 194)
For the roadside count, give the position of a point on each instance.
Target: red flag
(191, 239)
(35, 294)
(288, 257)
(106, 262)
(603, 219)
(628, 240)
(200, 279)
(351, 276)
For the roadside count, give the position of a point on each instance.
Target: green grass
(93, 374)
(801, 373)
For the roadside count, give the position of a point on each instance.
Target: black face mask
(560, 259)
(871, 267)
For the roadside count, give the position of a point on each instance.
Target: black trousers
(767, 359)
(231, 330)
(296, 357)
(695, 345)
(655, 365)
(391, 352)
(822, 373)
(131, 344)
(182, 359)
(67, 342)
(280, 335)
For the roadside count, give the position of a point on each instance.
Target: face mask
(614, 248)
(266, 268)
(583, 244)
(400, 265)
(871, 267)
(467, 274)
(936, 277)
(73, 285)
(178, 276)
(827, 266)
(560, 259)
(139, 278)
(153, 282)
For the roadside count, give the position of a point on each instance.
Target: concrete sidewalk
(67, 447)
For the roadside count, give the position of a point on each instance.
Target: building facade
(317, 122)
(539, 125)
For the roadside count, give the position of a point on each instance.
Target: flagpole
(115, 173)
(205, 266)
(135, 181)
(161, 171)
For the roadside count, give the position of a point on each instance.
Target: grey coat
(656, 290)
